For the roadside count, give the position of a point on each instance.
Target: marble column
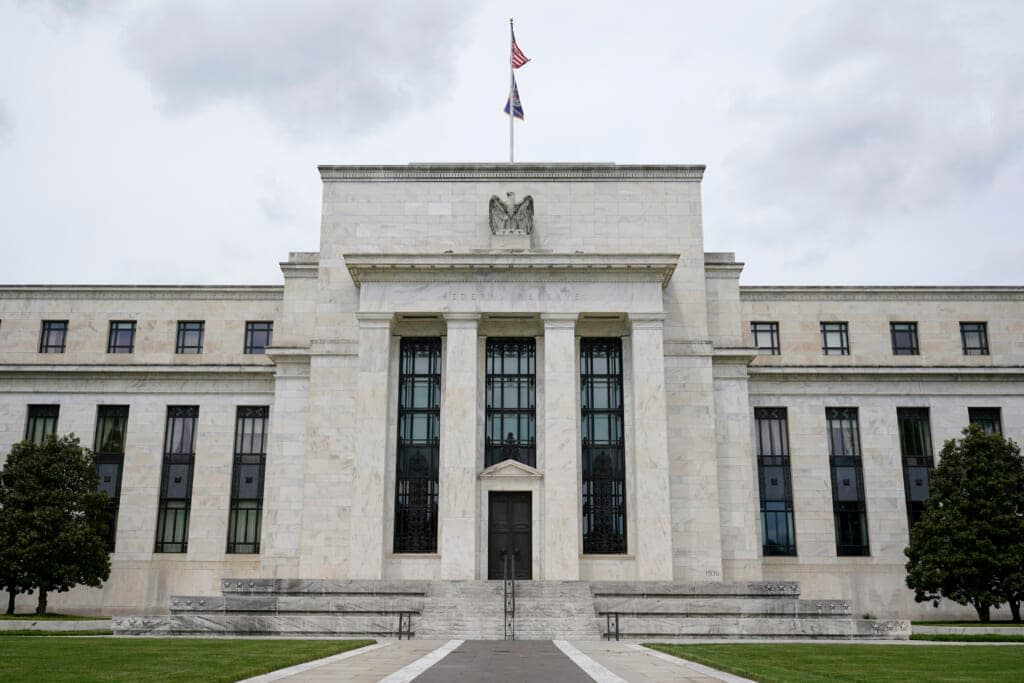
(457, 508)
(653, 543)
(369, 453)
(562, 509)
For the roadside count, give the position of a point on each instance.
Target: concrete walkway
(433, 661)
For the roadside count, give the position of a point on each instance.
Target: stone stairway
(545, 610)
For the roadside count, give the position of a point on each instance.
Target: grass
(970, 638)
(858, 662)
(51, 617)
(1015, 624)
(156, 659)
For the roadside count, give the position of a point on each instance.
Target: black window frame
(417, 452)
(41, 421)
(245, 513)
(603, 470)
(176, 510)
(186, 327)
(850, 516)
(510, 363)
(109, 456)
(47, 330)
(917, 457)
(770, 328)
(254, 327)
(904, 338)
(981, 330)
(990, 419)
(116, 328)
(842, 328)
(777, 516)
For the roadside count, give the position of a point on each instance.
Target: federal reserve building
(517, 371)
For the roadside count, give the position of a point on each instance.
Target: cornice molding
(466, 266)
(145, 292)
(487, 172)
(880, 372)
(881, 293)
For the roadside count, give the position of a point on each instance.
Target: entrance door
(510, 530)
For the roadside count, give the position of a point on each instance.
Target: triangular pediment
(511, 469)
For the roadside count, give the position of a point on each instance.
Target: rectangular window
(41, 422)
(975, 338)
(121, 338)
(247, 479)
(835, 339)
(904, 339)
(766, 337)
(916, 448)
(53, 336)
(190, 336)
(989, 419)
(604, 466)
(419, 430)
(258, 336)
(511, 413)
(848, 502)
(778, 532)
(111, 429)
(176, 479)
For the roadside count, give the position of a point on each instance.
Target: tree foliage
(52, 518)
(968, 546)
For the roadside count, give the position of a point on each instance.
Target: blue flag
(517, 106)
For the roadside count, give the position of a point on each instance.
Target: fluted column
(457, 509)
(653, 545)
(369, 454)
(562, 509)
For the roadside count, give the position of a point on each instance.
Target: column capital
(559, 320)
(647, 321)
(374, 319)
(462, 321)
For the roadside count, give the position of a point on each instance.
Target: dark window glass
(904, 339)
(916, 448)
(604, 466)
(419, 430)
(176, 479)
(989, 419)
(258, 336)
(778, 532)
(848, 502)
(122, 336)
(41, 422)
(835, 339)
(511, 413)
(53, 336)
(766, 337)
(247, 479)
(975, 338)
(111, 429)
(190, 336)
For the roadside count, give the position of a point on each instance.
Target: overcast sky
(177, 142)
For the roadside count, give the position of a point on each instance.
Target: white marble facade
(407, 251)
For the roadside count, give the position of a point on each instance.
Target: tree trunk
(11, 593)
(41, 607)
(1015, 611)
(983, 612)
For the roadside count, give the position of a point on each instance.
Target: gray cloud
(316, 67)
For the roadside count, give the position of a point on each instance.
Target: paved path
(456, 661)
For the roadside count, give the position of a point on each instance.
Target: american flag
(518, 58)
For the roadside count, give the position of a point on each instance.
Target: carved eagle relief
(509, 218)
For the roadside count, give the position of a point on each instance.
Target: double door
(509, 534)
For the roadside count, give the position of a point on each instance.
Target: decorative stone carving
(511, 218)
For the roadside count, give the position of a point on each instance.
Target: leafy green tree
(968, 545)
(52, 518)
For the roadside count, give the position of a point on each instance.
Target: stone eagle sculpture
(509, 218)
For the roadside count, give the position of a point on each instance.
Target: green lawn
(1015, 624)
(155, 659)
(970, 637)
(53, 617)
(859, 662)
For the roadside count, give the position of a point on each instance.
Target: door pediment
(511, 469)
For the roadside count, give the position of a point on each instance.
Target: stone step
(685, 605)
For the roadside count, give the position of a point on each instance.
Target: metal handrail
(509, 558)
(611, 621)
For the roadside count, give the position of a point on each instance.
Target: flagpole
(511, 91)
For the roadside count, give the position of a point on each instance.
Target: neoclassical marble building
(562, 375)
